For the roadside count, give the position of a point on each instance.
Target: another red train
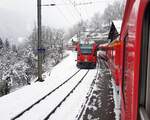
(86, 55)
(133, 61)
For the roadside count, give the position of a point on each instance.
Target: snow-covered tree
(96, 22)
(52, 41)
(1, 44)
(17, 65)
(7, 44)
(78, 29)
(113, 12)
(14, 48)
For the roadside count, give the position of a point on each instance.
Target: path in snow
(101, 104)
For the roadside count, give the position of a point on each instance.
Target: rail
(47, 117)
(27, 109)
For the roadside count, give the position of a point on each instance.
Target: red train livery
(86, 55)
(133, 61)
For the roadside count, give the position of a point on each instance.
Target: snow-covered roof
(74, 38)
(118, 24)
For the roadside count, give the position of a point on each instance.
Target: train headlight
(86, 60)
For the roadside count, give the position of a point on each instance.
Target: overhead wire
(81, 19)
(80, 7)
(78, 4)
(66, 19)
(75, 9)
(71, 12)
(86, 13)
(74, 6)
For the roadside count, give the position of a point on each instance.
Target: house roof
(114, 29)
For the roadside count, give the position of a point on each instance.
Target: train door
(144, 85)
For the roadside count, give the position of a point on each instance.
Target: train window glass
(144, 84)
(86, 48)
(148, 75)
(148, 81)
(86, 51)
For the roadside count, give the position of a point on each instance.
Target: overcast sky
(63, 15)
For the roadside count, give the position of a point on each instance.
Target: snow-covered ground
(15, 102)
(116, 100)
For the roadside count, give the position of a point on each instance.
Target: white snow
(44, 107)
(117, 99)
(75, 100)
(15, 102)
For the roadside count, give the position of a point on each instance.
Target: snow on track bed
(44, 107)
(72, 106)
(27, 109)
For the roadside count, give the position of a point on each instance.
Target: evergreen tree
(7, 44)
(1, 43)
(113, 12)
(14, 48)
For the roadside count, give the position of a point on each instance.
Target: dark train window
(86, 48)
(144, 84)
(86, 51)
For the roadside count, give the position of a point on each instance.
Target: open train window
(144, 84)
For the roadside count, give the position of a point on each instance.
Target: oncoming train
(86, 55)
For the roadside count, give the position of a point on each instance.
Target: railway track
(47, 117)
(78, 117)
(52, 93)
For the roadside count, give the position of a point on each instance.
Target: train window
(86, 51)
(148, 80)
(86, 48)
(144, 85)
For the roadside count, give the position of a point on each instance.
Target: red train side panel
(132, 60)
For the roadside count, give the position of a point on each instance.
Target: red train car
(130, 61)
(135, 61)
(86, 55)
(112, 55)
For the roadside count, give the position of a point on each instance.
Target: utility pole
(40, 50)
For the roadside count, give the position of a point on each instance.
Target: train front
(86, 56)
